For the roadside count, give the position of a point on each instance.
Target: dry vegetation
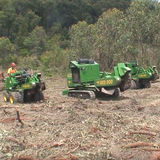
(63, 128)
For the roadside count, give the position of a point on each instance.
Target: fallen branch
(19, 119)
(12, 119)
(54, 144)
(8, 120)
(23, 157)
(15, 141)
(155, 156)
(8, 107)
(143, 132)
(129, 156)
(73, 150)
(49, 145)
(71, 157)
(151, 149)
(6, 112)
(138, 144)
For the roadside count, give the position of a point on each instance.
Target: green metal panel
(121, 69)
(133, 66)
(108, 81)
(88, 72)
(65, 92)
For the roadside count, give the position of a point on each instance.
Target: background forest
(47, 34)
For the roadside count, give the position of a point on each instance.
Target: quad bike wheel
(5, 97)
(116, 93)
(134, 84)
(38, 96)
(145, 84)
(16, 97)
(126, 82)
(33, 96)
(11, 99)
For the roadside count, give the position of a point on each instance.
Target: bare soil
(64, 128)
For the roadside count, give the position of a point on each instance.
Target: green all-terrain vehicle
(23, 87)
(86, 81)
(141, 78)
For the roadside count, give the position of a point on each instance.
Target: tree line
(46, 35)
(117, 36)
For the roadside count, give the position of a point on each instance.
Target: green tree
(7, 51)
(7, 16)
(108, 34)
(142, 22)
(36, 41)
(23, 25)
(98, 41)
(121, 36)
(55, 59)
(81, 40)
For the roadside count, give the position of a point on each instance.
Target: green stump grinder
(141, 78)
(86, 81)
(154, 72)
(23, 87)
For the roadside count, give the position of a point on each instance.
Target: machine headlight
(33, 83)
(39, 75)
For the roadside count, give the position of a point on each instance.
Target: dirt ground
(63, 128)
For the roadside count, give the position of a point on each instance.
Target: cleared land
(63, 128)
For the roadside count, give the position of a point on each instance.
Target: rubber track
(82, 94)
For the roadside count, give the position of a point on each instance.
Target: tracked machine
(141, 78)
(23, 87)
(86, 81)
